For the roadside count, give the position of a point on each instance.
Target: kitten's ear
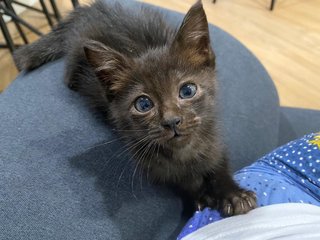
(110, 66)
(192, 39)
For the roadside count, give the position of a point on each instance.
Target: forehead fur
(161, 72)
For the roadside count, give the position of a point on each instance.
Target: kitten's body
(117, 26)
(115, 56)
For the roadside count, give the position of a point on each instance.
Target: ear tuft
(109, 65)
(192, 38)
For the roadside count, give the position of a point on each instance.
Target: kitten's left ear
(192, 39)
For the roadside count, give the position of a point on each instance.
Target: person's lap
(289, 174)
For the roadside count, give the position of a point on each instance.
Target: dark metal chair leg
(6, 11)
(273, 2)
(6, 46)
(26, 6)
(75, 3)
(55, 10)
(20, 30)
(46, 12)
(6, 33)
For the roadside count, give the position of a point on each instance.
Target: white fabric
(288, 221)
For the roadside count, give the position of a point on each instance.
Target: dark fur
(115, 55)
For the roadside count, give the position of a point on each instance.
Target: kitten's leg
(77, 71)
(48, 48)
(222, 192)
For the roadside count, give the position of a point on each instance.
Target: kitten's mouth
(176, 136)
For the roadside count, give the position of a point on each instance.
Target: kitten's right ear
(110, 66)
(193, 39)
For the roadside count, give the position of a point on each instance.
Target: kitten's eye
(187, 91)
(143, 104)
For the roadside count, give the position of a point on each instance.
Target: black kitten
(156, 85)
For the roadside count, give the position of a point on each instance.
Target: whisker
(142, 158)
(136, 145)
(154, 146)
(137, 164)
(203, 135)
(106, 143)
(130, 130)
(114, 156)
(122, 147)
(155, 131)
(126, 150)
(191, 126)
(132, 146)
(158, 150)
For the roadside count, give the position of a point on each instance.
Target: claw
(199, 207)
(229, 209)
(249, 203)
(242, 205)
(217, 203)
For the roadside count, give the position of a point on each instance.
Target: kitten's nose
(172, 122)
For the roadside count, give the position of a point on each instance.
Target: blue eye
(187, 91)
(143, 104)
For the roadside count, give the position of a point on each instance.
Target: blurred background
(286, 40)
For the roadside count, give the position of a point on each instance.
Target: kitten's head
(165, 96)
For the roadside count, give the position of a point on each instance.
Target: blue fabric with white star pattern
(290, 173)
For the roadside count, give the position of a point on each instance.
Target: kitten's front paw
(232, 203)
(238, 202)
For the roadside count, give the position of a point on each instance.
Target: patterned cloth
(290, 173)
